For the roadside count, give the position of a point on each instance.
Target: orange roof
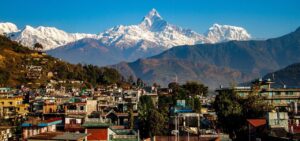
(257, 122)
(97, 134)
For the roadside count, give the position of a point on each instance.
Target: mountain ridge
(217, 64)
(151, 36)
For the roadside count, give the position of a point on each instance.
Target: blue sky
(262, 18)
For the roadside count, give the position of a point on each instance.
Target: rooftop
(96, 122)
(257, 122)
(58, 136)
(42, 123)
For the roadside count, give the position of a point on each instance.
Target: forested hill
(22, 66)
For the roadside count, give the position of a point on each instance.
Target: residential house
(6, 133)
(13, 106)
(35, 126)
(97, 129)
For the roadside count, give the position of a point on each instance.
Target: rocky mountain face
(217, 64)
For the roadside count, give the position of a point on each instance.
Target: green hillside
(22, 66)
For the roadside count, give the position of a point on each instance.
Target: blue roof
(42, 124)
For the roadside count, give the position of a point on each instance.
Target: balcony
(283, 97)
(75, 112)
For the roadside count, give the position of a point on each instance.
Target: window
(10, 103)
(72, 121)
(81, 107)
(277, 101)
(277, 93)
(242, 94)
(289, 93)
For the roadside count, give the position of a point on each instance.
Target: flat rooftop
(58, 136)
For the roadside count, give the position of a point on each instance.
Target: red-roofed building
(256, 127)
(97, 134)
(257, 122)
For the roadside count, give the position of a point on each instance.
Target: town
(140, 70)
(138, 112)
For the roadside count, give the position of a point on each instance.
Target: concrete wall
(91, 106)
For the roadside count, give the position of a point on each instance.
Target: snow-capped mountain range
(49, 37)
(151, 36)
(153, 28)
(6, 28)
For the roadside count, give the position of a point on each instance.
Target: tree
(230, 107)
(4, 76)
(174, 86)
(130, 80)
(144, 106)
(195, 88)
(197, 105)
(156, 120)
(131, 119)
(111, 76)
(38, 46)
(139, 82)
(164, 105)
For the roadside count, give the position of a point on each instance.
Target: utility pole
(188, 128)
(176, 128)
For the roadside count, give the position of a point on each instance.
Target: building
(91, 106)
(5, 91)
(37, 126)
(6, 133)
(122, 134)
(13, 106)
(278, 120)
(58, 136)
(278, 97)
(73, 123)
(76, 106)
(97, 129)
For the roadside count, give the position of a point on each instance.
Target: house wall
(91, 106)
(15, 103)
(278, 119)
(49, 108)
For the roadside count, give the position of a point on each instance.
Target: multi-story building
(37, 126)
(76, 106)
(13, 106)
(278, 97)
(6, 133)
(73, 123)
(4, 91)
